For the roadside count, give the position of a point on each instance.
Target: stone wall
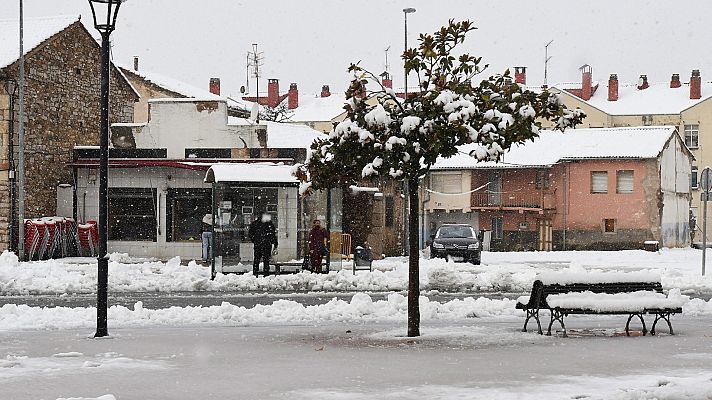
(62, 110)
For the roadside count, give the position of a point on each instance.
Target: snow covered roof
(254, 173)
(659, 98)
(35, 31)
(641, 142)
(173, 85)
(316, 108)
(281, 135)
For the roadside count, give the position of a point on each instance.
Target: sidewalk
(474, 359)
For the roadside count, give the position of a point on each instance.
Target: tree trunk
(413, 260)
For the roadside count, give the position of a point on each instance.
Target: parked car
(457, 241)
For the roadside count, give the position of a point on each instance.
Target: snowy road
(159, 300)
(468, 359)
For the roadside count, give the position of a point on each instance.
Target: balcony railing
(507, 200)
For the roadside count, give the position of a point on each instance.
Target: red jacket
(316, 236)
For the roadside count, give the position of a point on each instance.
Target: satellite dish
(242, 89)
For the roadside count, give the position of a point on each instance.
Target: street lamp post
(101, 9)
(406, 235)
(12, 87)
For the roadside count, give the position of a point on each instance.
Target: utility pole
(546, 61)
(21, 161)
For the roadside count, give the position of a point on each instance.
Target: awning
(194, 164)
(264, 174)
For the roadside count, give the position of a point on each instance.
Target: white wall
(177, 124)
(675, 166)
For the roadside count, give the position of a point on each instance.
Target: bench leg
(642, 321)
(664, 316)
(556, 315)
(535, 314)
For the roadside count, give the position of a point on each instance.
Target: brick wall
(62, 110)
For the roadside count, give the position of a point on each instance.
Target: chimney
(215, 86)
(586, 85)
(386, 80)
(643, 82)
(675, 81)
(325, 91)
(695, 85)
(293, 97)
(520, 75)
(613, 87)
(135, 63)
(273, 92)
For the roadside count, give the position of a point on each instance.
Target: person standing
(317, 245)
(207, 237)
(263, 235)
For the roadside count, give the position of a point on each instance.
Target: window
(132, 214)
(497, 228)
(624, 181)
(692, 132)
(542, 178)
(693, 177)
(447, 182)
(609, 225)
(287, 153)
(184, 214)
(647, 120)
(254, 153)
(599, 182)
(390, 211)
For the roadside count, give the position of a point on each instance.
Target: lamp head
(409, 10)
(104, 13)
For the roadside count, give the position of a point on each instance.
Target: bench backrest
(540, 291)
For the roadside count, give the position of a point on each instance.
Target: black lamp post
(12, 87)
(104, 13)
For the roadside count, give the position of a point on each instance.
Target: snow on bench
(599, 292)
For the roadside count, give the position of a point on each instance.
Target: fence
(507, 199)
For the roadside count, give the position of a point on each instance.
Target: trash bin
(363, 258)
(651, 245)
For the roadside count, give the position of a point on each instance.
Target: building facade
(62, 108)
(586, 189)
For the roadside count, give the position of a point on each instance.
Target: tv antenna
(387, 65)
(546, 61)
(255, 59)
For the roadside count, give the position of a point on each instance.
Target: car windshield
(455, 232)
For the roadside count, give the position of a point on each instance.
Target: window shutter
(599, 182)
(625, 182)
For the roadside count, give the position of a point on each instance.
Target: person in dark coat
(317, 245)
(263, 235)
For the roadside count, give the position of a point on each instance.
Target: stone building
(62, 72)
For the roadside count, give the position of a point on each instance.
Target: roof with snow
(659, 98)
(551, 147)
(35, 32)
(281, 135)
(264, 174)
(316, 108)
(172, 84)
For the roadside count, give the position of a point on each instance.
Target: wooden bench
(634, 299)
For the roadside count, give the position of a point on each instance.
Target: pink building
(604, 188)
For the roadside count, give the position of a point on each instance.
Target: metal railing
(507, 199)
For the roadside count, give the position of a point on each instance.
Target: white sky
(312, 42)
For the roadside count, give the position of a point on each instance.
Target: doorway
(545, 234)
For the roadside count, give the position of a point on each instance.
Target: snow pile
(499, 272)
(360, 308)
(631, 302)
(577, 274)
(104, 397)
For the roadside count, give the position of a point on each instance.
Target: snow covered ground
(477, 358)
(500, 272)
(471, 348)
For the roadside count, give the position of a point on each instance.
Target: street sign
(706, 179)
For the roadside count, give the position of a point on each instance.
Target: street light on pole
(101, 9)
(406, 11)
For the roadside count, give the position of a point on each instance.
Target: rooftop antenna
(546, 61)
(255, 59)
(387, 65)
